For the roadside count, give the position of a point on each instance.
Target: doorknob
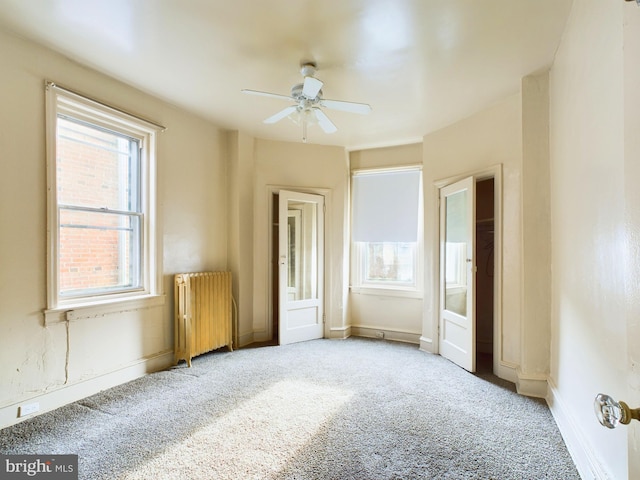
(611, 413)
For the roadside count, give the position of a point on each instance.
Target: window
(101, 203)
(386, 229)
(389, 262)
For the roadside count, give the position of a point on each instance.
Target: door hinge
(324, 318)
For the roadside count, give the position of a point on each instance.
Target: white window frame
(358, 251)
(60, 101)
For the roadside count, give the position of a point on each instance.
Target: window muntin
(101, 184)
(99, 252)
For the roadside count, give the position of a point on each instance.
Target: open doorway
(468, 333)
(275, 270)
(297, 267)
(485, 273)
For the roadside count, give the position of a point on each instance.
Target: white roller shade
(385, 206)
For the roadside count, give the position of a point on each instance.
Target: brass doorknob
(611, 413)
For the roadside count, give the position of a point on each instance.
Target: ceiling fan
(307, 98)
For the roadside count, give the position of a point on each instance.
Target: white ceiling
(420, 64)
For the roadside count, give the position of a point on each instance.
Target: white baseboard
(579, 448)
(387, 334)
(531, 385)
(506, 371)
(426, 345)
(71, 393)
(340, 332)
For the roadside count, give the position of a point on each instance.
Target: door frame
(268, 307)
(500, 367)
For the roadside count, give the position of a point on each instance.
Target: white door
(457, 273)
(301, 264)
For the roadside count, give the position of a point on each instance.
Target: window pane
(303, 248)
(98, 251)
(455, 259)
(96, 167)
(390, 262)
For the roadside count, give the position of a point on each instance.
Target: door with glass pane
(457, 273)
(301, 261)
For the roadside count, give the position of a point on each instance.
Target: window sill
(455, 289)
(78, 312)
(387, 292)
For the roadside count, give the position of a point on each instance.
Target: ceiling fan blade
(281, 114)
(311, 87)
(325, 123)
(351, 107)
(266, 94)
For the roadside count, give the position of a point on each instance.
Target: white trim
(396, 335)
(506, 370)
(66, 394)
(52, 204)
(531, 385)
(582, 452)
(62, 100)
(426, 344)
(387, 291)
(389, 169)
(99, 104)
(340, 333)
(70, 313)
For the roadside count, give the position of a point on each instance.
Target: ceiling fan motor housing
(296, 94)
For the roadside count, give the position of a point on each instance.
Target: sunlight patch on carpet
(254, 440)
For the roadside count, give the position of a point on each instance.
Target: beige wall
(310, 168)
(240, 184)
(489, 138)
(65, 361)
(594, 212)
(399, 318)
(536, 237)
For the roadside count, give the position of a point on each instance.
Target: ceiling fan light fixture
(304, 117)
